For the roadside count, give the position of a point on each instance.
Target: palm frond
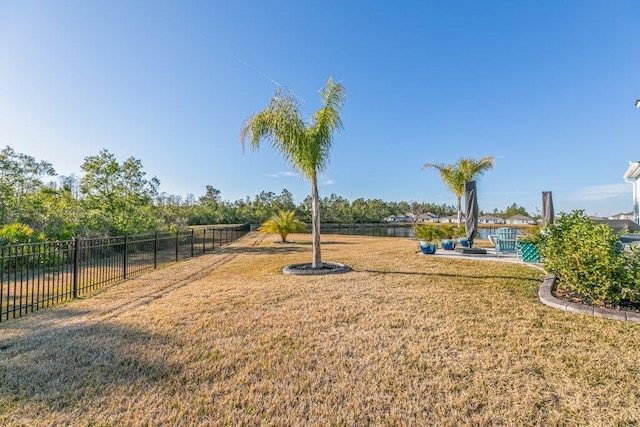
(450, 175)
(282, 223)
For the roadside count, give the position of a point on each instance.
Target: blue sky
(546, 87)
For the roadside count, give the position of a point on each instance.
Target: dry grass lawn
(404, 339)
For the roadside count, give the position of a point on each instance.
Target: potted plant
(448, 232)
(461, 233)
(428, 235)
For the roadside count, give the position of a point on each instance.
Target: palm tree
(305, 146)
(282, 223)
(454, 176)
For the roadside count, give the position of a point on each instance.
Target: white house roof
(623, 214)
(518, 216)
(428, 215)
(453, 217)
(633, 172)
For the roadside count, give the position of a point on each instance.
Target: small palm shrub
(428, 232)
(586, 257)
(282, 223)
(447, 231)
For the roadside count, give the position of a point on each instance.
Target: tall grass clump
(587, 258)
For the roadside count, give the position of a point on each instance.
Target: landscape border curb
(545, 294)
(546, 297)
(296, 270)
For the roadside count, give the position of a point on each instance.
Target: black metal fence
(37, 275)
(378, 230)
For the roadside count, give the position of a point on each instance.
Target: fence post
(75, 267)
(2, 265)
(213, 240)
(204, 240)
(125, 256)
(155, 251)
(177, 244)
(192, 238)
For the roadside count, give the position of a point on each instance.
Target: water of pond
(385, 230)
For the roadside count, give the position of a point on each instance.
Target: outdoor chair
(506, 241)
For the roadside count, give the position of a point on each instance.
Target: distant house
(427, 217)
(400, 218)
(632, 175)
(489, 219)
(628, 215)
(519, 219)
(397, 218)
(620, 225)
(451, 219)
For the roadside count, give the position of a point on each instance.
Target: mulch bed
(570, 295)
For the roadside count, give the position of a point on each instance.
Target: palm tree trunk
(459, 211)
(315, 224)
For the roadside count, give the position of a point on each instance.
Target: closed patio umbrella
(471, 210)
(547, 209)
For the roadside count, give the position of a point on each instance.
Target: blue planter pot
(464, 242)
(448, 244)
(428, 248)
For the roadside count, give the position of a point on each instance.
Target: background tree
(207, 209)
(305, 209)
(117, 197)
(263, 206)
(55, 212)
(305, 147)
(284, 201)
(20, 176)
(454, 176)
(513, 210)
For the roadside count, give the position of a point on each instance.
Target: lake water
(385, 230)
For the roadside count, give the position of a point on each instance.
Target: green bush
(586, 257)
(14, 234)
(15, 253)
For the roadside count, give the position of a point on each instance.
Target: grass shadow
(451, 275)
(57, 367)
(328, 242)
(266, 250)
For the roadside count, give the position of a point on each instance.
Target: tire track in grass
(132, 294)
(195, 269)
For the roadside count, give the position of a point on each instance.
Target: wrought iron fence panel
(37, 275)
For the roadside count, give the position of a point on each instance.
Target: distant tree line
(513, 210)
(117, 198)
